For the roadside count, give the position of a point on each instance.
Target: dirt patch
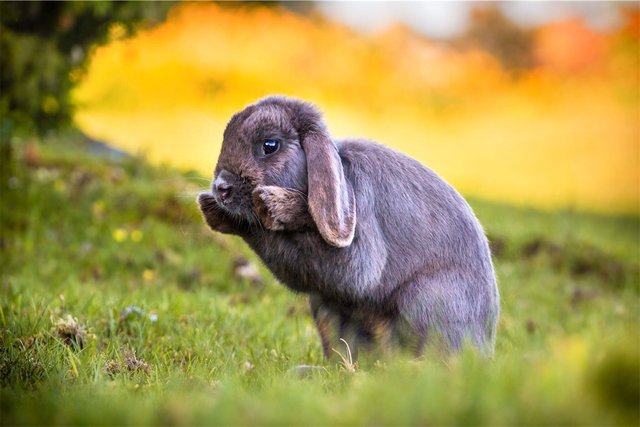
(578, 259)
(70, 331)
(130, 364)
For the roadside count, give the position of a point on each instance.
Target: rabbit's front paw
(280, 208)
(267, 205)
(215, 216)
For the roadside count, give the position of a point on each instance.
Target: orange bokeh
(570, 47)
(564, 133)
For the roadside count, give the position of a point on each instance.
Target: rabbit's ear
(331, 200)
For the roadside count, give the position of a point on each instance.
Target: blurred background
(119, 307)
(529, 103)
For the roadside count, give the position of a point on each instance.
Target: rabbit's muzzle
(232, 194)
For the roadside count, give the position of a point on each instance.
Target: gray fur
(383, 246)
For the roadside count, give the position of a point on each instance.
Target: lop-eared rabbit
(384, 247)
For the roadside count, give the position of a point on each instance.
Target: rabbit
(385, 249)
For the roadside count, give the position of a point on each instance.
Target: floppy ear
(331, 200)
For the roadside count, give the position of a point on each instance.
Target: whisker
(188, 194)
(298, 192)
(255, 216)
(198, 178)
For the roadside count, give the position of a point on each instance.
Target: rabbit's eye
(270, 146)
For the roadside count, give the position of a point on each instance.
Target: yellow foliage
(539, 139)
(148, 275)
(120, 235)
(136, 235)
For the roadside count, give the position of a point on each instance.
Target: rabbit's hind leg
(342, 332)
(326, 322)
(440, 313)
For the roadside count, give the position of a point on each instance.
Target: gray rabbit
(386, 250)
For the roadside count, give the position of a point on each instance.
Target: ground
(119, 307)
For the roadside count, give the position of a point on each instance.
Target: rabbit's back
(425, 224)
(414, 207)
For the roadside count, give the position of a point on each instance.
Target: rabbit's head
(283, 142)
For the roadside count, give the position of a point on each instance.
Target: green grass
(85, 235)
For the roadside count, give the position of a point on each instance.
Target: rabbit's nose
(224, 190)
(221, 185)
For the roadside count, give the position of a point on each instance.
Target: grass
(120, 308)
